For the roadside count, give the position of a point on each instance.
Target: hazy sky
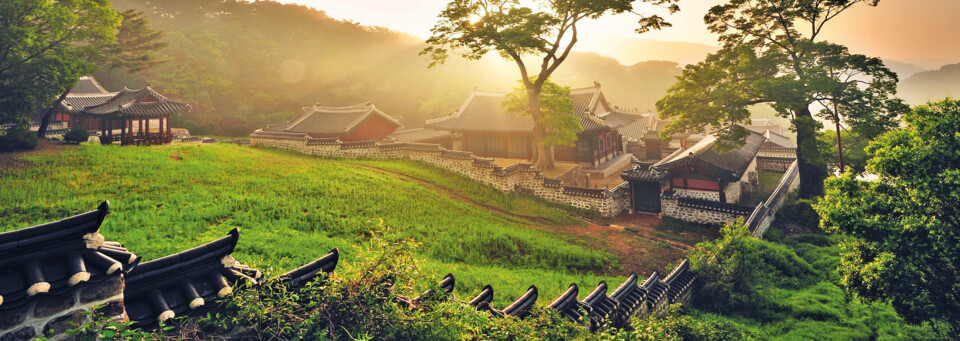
(922, 32)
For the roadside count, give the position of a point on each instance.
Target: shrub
(77, 135)
(17, 138)
(799, 212)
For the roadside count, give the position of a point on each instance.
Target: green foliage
(105, 328)
(556, 112)
(789, 290)
(766, 59)
(675, 324)
(905, 224)
(136, 46)
(76, 135)
(16, 138)
(854, 149)
(799, 212)
(740, 273)
(47, 46)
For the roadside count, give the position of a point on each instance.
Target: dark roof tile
(320, 121)
(53, 258)
(162, 288)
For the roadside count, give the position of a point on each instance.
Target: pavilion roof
(483, 111)
(87, 85)
(324, 121)
(145, 103)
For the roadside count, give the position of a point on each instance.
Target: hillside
(242, 65)
(293, 208)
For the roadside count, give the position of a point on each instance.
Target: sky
(925, 33)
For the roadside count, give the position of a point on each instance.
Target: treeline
(242, 65)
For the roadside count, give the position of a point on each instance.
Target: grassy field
(292, 209)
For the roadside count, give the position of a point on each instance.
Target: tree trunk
(543, 156)
(45, 121)
(813, 170)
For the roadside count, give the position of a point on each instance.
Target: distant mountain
(931, 85)
(633, 50)
(903, 69)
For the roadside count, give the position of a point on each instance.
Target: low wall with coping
(517, 177)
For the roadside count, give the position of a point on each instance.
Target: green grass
(768, 183)
(292, 209)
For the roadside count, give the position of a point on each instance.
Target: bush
(17, 138)
(76, 135)
(799, 212)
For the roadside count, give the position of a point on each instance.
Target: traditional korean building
(698, 172)
(482, 126)
(125, 116)
(361, 122)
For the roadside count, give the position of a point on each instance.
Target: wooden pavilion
(131, 112)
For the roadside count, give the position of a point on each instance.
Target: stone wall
(671, 208)
(774, 163)
(51, 315)
(517, 177)
(759, 221)
(697, 194)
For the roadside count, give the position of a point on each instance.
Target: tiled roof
(56, 257)
(162, 288)
(87, 85)
(321, 121)
(419, 135)
(631, 125)
(483, 112)
(731, 164)
(76, 103)
(136, 103)
(779, 141)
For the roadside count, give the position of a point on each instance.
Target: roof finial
(596, 84)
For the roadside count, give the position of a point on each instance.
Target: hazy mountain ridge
(931, 85)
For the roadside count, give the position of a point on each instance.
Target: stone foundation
(52, 315)
(518, 177)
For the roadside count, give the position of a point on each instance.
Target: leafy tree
(45, 46)
(471, 28)
(133, 50)
(854, 149)
(555, 108)
(907, 221)
(771, 55)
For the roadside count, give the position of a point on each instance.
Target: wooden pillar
(140, 132)
(147, 136)
(169, 131)
(123, 132)
(161, 131)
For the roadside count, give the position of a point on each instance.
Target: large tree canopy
(771, 55)
(907, 221)
(472, 28)
(45, 46)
